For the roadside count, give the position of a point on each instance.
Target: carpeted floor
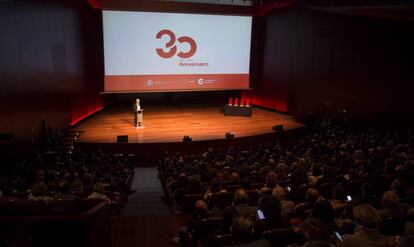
(146, 200)
(146, 220)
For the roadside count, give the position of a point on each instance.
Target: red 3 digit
(171, 48)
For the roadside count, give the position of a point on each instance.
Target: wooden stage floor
(169, 124)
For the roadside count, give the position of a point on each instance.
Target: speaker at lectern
(138, 113)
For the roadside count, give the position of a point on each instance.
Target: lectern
(138, 113)
(139, 117)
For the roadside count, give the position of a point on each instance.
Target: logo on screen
(170, 48)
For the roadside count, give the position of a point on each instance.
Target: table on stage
(243, 111)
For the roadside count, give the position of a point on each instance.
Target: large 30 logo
(171, 49)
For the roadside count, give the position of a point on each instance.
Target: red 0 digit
(193, 47)
(170, 44)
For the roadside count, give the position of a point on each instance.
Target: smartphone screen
(260, 214)
(349, 198)
(339, 237)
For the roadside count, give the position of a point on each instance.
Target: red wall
(312, 59)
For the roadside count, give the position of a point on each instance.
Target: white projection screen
(148, 51)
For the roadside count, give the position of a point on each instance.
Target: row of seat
(15, 206)
(205, 227)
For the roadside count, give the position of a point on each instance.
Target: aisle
(146, 200)
(146, 220)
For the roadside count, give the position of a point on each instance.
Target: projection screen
(148, 51)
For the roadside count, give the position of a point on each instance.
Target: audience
(53, 173)
(289, 176)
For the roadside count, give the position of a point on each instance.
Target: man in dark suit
(138, 116)
(241, 198)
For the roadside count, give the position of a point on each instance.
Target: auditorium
(206, 123)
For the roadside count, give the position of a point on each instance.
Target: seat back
(221, 200)
(188, 201)
(221, 240)
(204, 227)
(34, 207)
(65, 206)
(280, 237)
(9, 205)
(87, 204)
(233, 188)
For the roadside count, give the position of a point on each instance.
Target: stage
(168, 124)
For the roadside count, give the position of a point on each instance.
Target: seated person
(391, 207)
(312, 196)
(76, 187)
(39, 193)
(271, 208)
(323, 210)
(408, 239)
(213, 188)
(314, 230)
(338, 201)
(242, 232)
(99, 192)
(366, 233)
(287, 205)
(242, 208)
(201, 212)
(270, 184)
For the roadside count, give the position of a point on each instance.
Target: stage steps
(69, 138)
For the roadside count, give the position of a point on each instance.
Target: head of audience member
(225, 176)
(315, 229)
(312, 195)
(398, 186)
(77, 185)
(241, 197)
(235, 178)
(390, 199)
(323, 210)
(271, 180)
(39, 189)
(193, 185)
(367, 216)
(201, 207)
(242, 229)
(280, 193)
(99, 188)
